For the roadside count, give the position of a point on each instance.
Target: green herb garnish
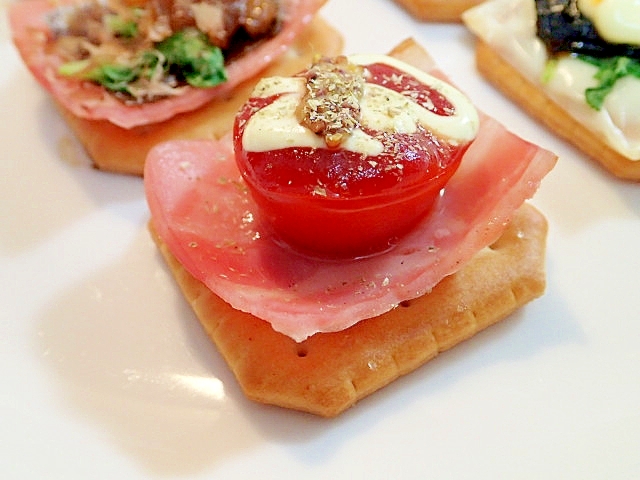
(187, 56)
(116, 78)
(122, 27)
(610, 70)
(192, 57)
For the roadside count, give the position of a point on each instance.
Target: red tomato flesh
(335, 202)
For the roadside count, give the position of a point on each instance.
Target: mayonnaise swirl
(276, 126)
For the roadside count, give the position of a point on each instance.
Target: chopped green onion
(121, 27)
(549, 70)
(74, 68)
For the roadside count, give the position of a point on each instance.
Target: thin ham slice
(87, 100)
(201, 209)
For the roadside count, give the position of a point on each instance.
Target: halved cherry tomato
(340, 203)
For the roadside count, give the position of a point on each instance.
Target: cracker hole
(405, 303)
(302, 351)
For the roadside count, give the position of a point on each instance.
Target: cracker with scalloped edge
(330, 372)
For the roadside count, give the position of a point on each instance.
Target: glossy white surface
(106, 374)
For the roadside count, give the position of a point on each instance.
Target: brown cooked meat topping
(221, 20)
(331, 104)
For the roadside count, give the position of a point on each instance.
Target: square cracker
(329, 372)
(536, 103)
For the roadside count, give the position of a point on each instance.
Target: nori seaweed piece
(562, 28)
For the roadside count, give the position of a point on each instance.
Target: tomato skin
(344, 228)
(343, 204)
(315, 217)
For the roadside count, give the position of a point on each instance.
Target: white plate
(105, 372)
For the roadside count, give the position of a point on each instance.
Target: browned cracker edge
(533, 100)
(443, 11)
(329, 372)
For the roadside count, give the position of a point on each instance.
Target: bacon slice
(201, 209)
(87, 100)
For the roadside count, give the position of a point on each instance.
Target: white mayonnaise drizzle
(276, 126)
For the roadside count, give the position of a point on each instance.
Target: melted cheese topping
(617, 21)
(509, 26)
(276, 126)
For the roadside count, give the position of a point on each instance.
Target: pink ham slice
(87, 100)
(202, 211)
